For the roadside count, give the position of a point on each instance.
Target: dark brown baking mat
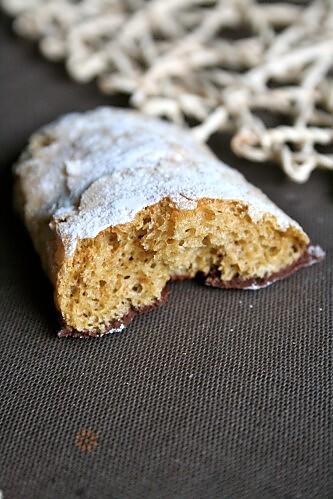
(218, 394)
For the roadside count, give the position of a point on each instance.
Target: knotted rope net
(259, 71)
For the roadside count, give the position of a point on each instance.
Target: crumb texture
(127, 267)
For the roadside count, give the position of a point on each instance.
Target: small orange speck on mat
(86, 440)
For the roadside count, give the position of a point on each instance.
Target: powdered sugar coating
(86, 172)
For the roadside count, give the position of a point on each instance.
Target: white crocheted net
(222, 64)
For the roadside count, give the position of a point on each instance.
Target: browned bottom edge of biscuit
(312, 255)
(117, 325)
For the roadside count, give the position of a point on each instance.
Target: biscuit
(118, 204)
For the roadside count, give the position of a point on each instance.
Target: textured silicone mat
(218, 394)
